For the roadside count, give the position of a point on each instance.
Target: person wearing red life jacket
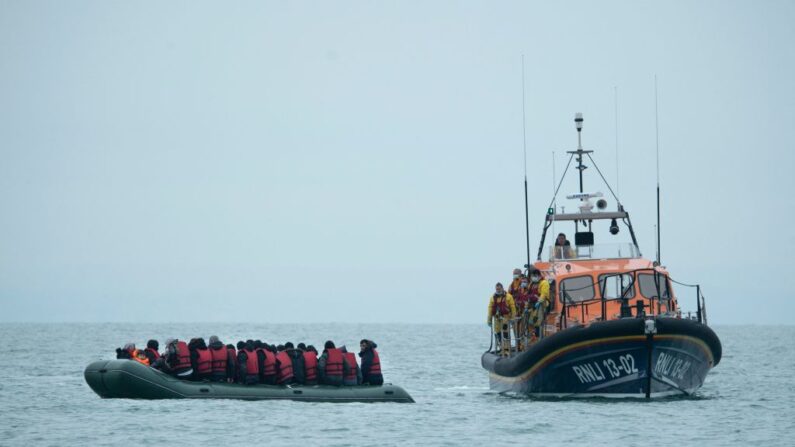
(284, 367)
(220, 360)
(270, 372)
(201, 359)
(371, 363)
(310, 364)
(297, 358)
(248, 365)
(176, 359)
(351, 375)
(331, 365)
(501, 311)
(231, 364)
(151, 351)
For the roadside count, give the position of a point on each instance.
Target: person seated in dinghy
(152, 352)
(176, 359)
(130, 352)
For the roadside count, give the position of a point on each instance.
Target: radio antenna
(615, 101)
(657, 136)
(524, 147)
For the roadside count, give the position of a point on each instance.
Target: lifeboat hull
(619, 358)
(132, 380)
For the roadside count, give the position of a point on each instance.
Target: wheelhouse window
(648, 286)
(613, 285)
(578, 288)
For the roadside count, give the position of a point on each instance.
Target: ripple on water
(742, 402)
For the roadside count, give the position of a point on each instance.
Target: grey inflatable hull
(132, 380)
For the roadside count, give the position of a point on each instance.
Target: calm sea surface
(748, 399)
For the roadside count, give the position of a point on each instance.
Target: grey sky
(361, 161)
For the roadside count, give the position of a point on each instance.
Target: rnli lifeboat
(613, 325)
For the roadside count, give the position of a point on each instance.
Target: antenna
(524, 147)
(657, 136)
(615, 101)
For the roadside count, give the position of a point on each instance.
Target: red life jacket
(533, 292)
(310, 365)
(220, 358)
(376, 366)
(270, 364)
(183, 357)
(252, 365)
(350, 375)
(285, 367)
(204, 363)
(334, 363)
(155, 354)
(500, 305)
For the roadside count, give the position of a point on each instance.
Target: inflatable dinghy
(132, 380)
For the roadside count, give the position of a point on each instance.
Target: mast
(524, 147)
(580, 167)
(657, 137)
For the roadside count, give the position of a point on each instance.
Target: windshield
(648, 286)
(614, 284)
(578, 288)
(599, 251)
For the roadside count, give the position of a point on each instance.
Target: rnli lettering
(670, 366)
(593, 372)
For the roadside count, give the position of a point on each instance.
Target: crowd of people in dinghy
(253, 362)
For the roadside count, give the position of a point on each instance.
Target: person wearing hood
(176, 359)
(371, 363)
(352, 374)
(331, 365)
(219, 369)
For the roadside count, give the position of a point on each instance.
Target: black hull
(618, 358)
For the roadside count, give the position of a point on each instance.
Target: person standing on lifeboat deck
(516, 282)
(501, 310)
(539, 300)
(521, 297)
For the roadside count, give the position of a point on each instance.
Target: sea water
(749, 398)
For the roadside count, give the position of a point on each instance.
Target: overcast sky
(362, 161)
